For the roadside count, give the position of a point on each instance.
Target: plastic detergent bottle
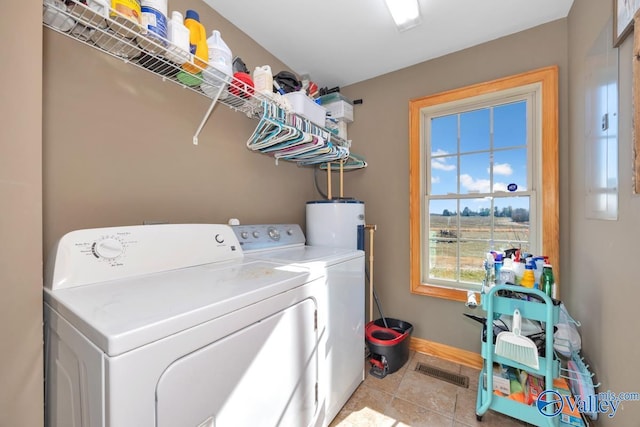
(263, 79)
(154, 18)
(197, 43)
(220, 68)
(219, 53)
(178, 35)
(528, 278)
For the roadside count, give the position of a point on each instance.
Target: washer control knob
(244, 234)
(219, 238)
(256, 234)
(289, 232)
(274, 234)
(109, 248)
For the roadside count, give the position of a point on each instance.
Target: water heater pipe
(329, 195)
(329, 181)
(372, 228)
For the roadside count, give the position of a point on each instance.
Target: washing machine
(171, 325)
(341, 272)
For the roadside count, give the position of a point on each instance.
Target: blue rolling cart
(537, 306)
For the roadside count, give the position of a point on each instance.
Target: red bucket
(388, 345)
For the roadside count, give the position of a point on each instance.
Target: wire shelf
(114, 34)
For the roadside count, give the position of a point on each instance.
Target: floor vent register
(450, 377)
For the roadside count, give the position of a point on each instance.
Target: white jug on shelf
(263, 79)
(220, 69)
(179, 49)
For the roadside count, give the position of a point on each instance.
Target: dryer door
(264, 374)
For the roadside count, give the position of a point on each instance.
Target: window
(483, 176)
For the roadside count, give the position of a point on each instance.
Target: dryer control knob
(109, 248)
(256, 234)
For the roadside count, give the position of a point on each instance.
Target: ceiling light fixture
(405, 13)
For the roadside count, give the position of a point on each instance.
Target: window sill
(440, 292)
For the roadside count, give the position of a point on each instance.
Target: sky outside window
(463, 149)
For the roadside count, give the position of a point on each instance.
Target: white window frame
(531, 94)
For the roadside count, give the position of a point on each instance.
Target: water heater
(337, 223)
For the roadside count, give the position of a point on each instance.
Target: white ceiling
(340, 42)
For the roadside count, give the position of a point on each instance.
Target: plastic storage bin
(338, 106)
(306, 107)
(389, 346)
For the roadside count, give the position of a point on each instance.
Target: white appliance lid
(305, 255)
(124, 314)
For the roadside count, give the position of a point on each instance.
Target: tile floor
(410, 398)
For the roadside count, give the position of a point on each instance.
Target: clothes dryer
(170, 325)
(341, 272)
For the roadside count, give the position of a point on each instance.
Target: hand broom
(512, 345)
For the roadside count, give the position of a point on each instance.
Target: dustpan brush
(512, 345)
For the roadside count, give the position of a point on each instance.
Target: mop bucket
(389, 346)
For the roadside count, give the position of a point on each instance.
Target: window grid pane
(462, 229)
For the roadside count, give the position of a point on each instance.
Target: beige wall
(599, 272)
(602, 262)
(118, 145)
(380, 133)
(21, 392)
(98, 171)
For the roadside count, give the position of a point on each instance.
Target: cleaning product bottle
(219, 53)
(217, 75)
(518, 270)
(507, 274)
(127, 14)
(263, 79)
(528, 278)
(178, 35)
(197, 43)
(538, 265)
(154, 19)
(489, 269)
(497, 264)
(220, 69)
(548, 281)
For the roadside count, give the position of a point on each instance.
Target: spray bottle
(548, 281)
(528, 278)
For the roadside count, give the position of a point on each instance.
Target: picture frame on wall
(623, 11)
